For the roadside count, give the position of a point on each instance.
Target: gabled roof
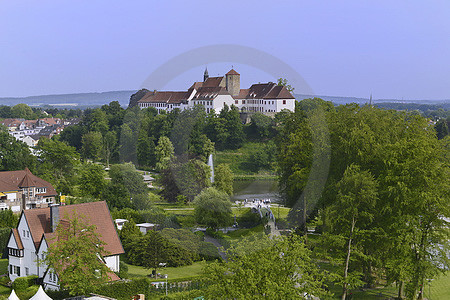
(94, 213)
(164, 97)
(268, 90)
(11, 180)
(209, 93)
(27, 180)
(214, 82)
(232, 72)
(16, 236)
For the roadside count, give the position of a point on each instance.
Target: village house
(29, 131)
(216, 92)
(20, 190)
(29, 242)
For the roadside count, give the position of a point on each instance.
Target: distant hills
(72, 100)
(82, 100)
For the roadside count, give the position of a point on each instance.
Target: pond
(261, 189)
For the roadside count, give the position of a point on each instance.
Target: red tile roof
(209, 93)
(232, 72)
(164, 97)
(265, 91)
(17, 238)
(214, 82)
(94, 213)
(12, 180)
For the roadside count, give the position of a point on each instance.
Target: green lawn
(3, 266)
(439, 289)
(173, 273)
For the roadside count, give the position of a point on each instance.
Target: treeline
(23, 111)
(375, 182)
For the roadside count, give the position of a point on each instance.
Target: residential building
(29, 242)
(216, 92)
(20, 190)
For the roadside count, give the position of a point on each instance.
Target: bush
(208, 251)
(249, 219)
(123, 290)
(22, 283)
(123, 270)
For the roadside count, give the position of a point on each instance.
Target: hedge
(123, 290)
(22, 283)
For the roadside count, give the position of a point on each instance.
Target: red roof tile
(94, 213)
(17, 238)
(164, 97)
(12, 180)
(214, 82)
(232, 72)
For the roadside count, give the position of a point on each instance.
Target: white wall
(112, 262)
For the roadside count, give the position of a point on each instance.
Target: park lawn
(439, 289)
(238, 161)
(173, 273)
(3, 266)
(4, 291)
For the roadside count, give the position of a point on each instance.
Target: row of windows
(26, 233)
(265, 102)
(15, 252)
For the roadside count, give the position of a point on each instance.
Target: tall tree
(164, 153)
(92, 145)
(223, 178)
(353, 213)
(212, 208)
(282, 271)
(91, 180)
(74, 256)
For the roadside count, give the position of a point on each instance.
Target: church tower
(233, 81)
(205, 74)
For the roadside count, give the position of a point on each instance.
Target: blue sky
(393, 49)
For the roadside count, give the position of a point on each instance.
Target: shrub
(22, 283)
(123, 290)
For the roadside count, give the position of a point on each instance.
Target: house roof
(213, 82)
(12, 181)
(17, 238)
(27, 180)
(209, 93)
(164, 97)
(232, 72)
(268, 90)
(94, 213)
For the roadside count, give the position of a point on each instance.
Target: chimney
(54, 217)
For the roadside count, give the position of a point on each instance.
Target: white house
(29, 242)
(216, 92)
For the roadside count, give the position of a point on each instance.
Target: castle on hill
(216, 92)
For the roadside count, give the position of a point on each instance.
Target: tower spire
(205, 74)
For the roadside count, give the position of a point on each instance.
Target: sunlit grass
(173, 273)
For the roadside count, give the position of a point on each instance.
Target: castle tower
(233, 81)
(205, 75)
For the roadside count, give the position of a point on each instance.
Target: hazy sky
(393, 49)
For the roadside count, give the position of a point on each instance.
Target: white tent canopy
(13, 296)
(40, 295)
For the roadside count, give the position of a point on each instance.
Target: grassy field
(173, 273)
(3, 266)
(238, 161)
(439, 288)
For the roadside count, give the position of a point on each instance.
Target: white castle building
(216, 92)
